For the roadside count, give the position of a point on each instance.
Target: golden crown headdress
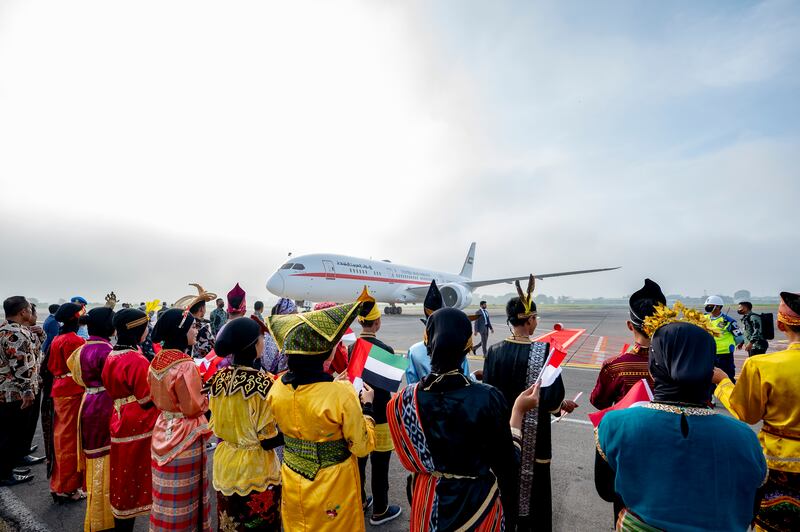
(526, 298)
(679, 313)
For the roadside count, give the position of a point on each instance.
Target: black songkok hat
(68, 312)
(433, 301)
(238, 336)
(130, 323)
(171, 328)
(100, 322)
(644, 301)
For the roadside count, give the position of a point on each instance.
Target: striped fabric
(180, 487)
(628, 522)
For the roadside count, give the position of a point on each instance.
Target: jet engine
(456, 295)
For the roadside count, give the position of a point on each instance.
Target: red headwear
(789, 309)
(236, 300)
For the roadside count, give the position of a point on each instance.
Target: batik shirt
(20, 353)
(218, 319)
(205, 340)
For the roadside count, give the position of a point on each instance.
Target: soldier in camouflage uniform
(754, 338)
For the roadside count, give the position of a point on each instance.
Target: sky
(147, 145)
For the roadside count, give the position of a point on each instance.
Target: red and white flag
(639, 395)
(552, 366)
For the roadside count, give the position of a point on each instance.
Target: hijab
(682, 359)
(99, 322)
(239, 338)
(448, 334)
(171, 328)
(306, 369)
(130, 324)
(68, 315)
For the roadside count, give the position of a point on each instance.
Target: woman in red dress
(66, 481)
(132, 420)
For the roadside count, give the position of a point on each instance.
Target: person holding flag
(674, 463)
(512, 366)
(382, 511)
(325, 428)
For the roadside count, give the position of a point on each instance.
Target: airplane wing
(477, 284)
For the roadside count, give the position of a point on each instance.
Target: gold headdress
(111, 300)
(187, 302)
(679, 313)
(526, 298)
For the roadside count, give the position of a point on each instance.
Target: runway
(576, 506)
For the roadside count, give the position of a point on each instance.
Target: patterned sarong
(259, 510)
(180, 491)
(536, 358)
(66, 478)
(480, 493)
(780, 507)
(98, 496)
(628, 522)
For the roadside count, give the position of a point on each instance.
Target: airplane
(328, 277)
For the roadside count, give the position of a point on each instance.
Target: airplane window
(287, 266)
(298, 266)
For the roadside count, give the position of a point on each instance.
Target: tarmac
(576, 505)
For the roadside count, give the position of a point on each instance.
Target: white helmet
(715, 300)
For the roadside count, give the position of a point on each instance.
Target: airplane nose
(275, 284)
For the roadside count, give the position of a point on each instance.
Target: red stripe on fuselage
(361, 278)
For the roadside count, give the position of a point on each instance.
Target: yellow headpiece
(679, 313)
(526, 298)
(373, 314)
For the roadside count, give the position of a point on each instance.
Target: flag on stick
(639, 394)
(375, 366)
(552, 366)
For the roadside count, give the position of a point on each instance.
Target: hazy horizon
(146, 146)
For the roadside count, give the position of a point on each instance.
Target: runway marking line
(582, 365)
(576, 421)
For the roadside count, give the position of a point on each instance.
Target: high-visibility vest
(726, 341)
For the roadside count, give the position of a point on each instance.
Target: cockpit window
(287, 266)
(298, 266)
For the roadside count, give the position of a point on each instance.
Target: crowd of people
(133, 401)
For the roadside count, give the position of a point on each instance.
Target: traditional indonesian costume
(180, 479)
(67, 395)
(246, 477)
(705, 479)
(86, 364)
(125, 379)
(454, 436)
(618, 374)
(512, 366)
(768, 390)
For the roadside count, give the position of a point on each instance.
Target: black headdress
(433, 301)
(171, 328)
(644, 301)
(238, 337)
(448, 335)
(682, 357)
(130, 324)
(100, 322)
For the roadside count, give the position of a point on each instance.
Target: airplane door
(330, 272)
(392, 275)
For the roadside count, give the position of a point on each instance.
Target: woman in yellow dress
(247, 472)
(325, 427)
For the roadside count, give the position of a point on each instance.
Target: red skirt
(131, 476)
(180, 491)
(65, 477)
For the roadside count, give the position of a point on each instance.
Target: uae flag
(639, 394)
(552, 367)
(377, 367)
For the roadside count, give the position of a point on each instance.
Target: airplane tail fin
(466, 270)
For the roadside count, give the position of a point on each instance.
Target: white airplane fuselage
(340, 278)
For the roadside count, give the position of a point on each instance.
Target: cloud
(158, 144)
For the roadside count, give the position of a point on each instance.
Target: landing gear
(392, 310)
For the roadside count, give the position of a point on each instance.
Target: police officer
(730, 338)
